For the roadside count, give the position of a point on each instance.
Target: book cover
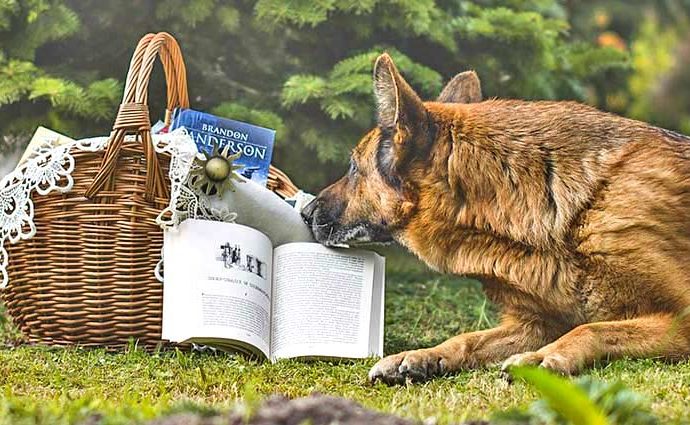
(253, 142)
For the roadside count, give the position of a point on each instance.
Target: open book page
(323, 302)
(377, 307)
(218, 286)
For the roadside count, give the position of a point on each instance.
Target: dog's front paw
(553, 361)
(408, 366)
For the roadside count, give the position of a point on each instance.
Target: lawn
(47, 386)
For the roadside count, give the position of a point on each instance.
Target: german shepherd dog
(577, 223)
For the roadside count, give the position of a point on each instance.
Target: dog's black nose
(308, 211)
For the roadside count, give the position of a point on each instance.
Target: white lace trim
(49, 169)
(185, 201)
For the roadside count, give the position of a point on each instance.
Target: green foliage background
(303, 67)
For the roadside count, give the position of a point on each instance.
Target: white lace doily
(49, 169)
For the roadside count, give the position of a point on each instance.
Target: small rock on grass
(278, 410)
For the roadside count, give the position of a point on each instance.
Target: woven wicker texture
(87, 277)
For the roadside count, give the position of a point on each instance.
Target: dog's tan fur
(577, 222)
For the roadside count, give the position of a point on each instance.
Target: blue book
(253, 142)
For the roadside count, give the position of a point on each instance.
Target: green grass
(46, 386)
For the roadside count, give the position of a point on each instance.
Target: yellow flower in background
(613, 40)
(602, 18)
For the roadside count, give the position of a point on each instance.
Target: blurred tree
(671, 98)
(30, 92)
(656, 33)
(302, 67)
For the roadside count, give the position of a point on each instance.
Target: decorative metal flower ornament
(214, 174)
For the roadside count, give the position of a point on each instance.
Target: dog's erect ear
(397, 102)
(463, 88)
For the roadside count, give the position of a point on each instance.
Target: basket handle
(175, 73)
(133, 115)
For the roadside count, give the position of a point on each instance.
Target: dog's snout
(323, 209)
(308, 211)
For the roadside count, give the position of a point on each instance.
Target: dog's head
(377, 196)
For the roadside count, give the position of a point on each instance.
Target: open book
(226, 286)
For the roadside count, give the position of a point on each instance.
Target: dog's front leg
(664, 335)
(464, 351)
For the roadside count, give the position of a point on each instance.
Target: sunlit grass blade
(564, 396)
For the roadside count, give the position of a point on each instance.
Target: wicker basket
(87, 277)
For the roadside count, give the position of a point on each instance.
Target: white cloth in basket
(265, 211)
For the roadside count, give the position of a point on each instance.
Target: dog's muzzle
(320, 220)
(308, 212)
(324, 221)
